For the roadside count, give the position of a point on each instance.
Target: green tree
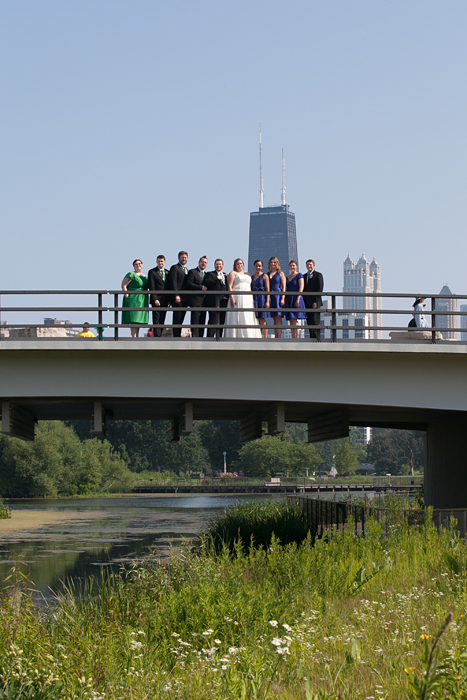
(146, 444)
(270, 455)
(43, 467)
(217, 437)
(57, 463)
(328, 449)
(346, 459)
(396, 451)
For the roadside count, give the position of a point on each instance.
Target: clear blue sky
(131, 128)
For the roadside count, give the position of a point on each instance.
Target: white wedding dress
(235, 315)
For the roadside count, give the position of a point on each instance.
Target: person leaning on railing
(135, 281)
(86, 332)
(419, 319)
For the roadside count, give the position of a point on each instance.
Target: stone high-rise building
(363, 277)
(446, 320)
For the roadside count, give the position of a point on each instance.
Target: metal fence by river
(328, 514)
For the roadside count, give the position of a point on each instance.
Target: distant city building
(446, 320)
(363, 277)
(366, 434)
(463, 307)
(272, 232)
(355, 325)
(272, 229)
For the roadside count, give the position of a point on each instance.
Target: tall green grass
(5, 512)
(347, 617)
(254, 525)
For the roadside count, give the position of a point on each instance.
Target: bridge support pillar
(446, 464)
(99, 420)
(17, 422)
(182, 425)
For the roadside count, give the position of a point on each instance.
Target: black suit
(176, 282)
(156, 280)
(313, 284)
(195, 282)
(216, 318)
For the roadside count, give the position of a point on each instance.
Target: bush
(5, 512)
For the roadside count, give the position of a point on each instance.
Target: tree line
(65, 459)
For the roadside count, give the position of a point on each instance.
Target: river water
(63, 539)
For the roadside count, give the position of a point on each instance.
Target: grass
(347, 617)
(254, 524)
(5, 512)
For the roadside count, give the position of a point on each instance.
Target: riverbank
(346, 618)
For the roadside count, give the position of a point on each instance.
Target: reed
(254, 525)
(5, 512)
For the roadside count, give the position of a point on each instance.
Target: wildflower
(217, 641)
(174, 634)
(208, 633)
(425, 636)
(287, 628)
(276, 641)
(273, 623)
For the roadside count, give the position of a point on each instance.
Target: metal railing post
(333, 320)
(433, 320)
(116, 317)
(99, 316)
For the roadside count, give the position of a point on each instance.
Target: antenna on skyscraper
(261, 191)
(283, 179)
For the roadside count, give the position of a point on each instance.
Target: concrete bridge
(411, 385)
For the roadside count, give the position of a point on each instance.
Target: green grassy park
(344, 617)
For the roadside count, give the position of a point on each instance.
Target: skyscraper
(446, 321)
(272, 229)
(363, 277)
(463, 307)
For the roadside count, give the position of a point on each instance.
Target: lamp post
(225, 462)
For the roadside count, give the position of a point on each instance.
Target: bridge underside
(79, 408)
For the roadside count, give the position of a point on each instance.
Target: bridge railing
(343, 317)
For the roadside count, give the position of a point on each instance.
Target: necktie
(186, 271)
(310, 275)
(163, 275)
(202, 275)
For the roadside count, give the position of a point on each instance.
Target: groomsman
(314, 282)
(216, 281)
(156, 278)
(195, 282)
(176, 282)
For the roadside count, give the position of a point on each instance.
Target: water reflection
(69, 538)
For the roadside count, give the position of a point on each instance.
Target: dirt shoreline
(32, 520)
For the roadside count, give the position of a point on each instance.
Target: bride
(240, 281)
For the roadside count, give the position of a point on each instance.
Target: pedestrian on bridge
(419, 318)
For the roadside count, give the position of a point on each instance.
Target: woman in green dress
(133, 281)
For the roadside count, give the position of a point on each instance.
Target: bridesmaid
(131, 282)
(295, 283)
(277, 283)
(260, 283)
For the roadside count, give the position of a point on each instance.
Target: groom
(195, 282)
(216, 281)
(314, 282)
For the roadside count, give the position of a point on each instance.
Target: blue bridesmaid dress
(290, 301)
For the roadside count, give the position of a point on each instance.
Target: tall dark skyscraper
(272, 229)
